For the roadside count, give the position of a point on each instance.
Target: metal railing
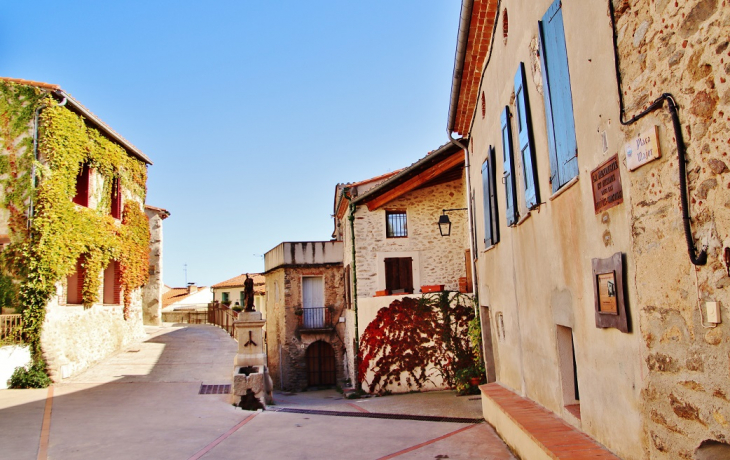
(315, 318)
(11, 328)
(222, 316)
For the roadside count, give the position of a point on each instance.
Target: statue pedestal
(252, 385)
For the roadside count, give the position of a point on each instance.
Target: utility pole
(185, 270)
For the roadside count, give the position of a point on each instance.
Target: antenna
(185, 270)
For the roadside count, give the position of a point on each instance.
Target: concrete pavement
(143, 403)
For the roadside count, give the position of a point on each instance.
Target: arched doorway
(320, 364)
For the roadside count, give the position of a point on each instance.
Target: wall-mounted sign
(643, 149)
(607, 191)
(610, 297)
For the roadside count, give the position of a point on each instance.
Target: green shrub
(33, 377)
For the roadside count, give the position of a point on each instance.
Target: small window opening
(505, 26)
(116, 199)
(396, 225)
(82, 186)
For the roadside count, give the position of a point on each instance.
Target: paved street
(143, 403)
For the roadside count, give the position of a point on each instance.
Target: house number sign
(607, 191)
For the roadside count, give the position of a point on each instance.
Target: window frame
(396, 212)
(508, 167)
(526, 141)
(392, 274)
(83, 182)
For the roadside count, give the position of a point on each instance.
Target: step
(534, 432)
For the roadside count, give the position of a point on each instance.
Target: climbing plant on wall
(46, 245)
(411, 335)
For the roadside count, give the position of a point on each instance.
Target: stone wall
(436, 259)
(681, 48)
(152, 291)
(74, 338)
(286, 343)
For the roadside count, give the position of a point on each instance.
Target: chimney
(192, 288)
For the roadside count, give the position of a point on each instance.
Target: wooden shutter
(558, 98)
(82, 186)
(399, 273)
(489, 188)
(508, 177)
(524, 130)
(116, 199)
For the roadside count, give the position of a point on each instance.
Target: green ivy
(61, 232)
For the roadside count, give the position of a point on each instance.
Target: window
(112, 286)
(508, 177)
(489, 189)
(399, 275)
(116, 199)
(82, 186)
(242, 298)
(396, 225)
(225, 297)
(524, 130)
(348, 292)
(558, 98)
(75, 284)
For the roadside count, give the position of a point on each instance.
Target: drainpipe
(694, 257)
(36, 121)
(351, 217)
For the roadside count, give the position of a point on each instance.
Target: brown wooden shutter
(116, 199)
(399, 273)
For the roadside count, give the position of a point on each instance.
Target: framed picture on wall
(609, 293)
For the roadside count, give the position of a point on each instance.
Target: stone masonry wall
(152, 298)
(441, 259)
(73, 338)
(682, 48)
(282, 326)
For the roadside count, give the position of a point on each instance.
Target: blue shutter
(508, 177)
(558, 98)
(524, 129)
(489, 187)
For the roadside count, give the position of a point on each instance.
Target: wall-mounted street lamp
(445, 223)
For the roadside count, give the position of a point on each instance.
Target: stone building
(602, 265)
(231, 290)
(305, 300)
(152, 296)
(392, 222)
(72, 192)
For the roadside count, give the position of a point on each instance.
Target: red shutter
(82, 186)
(116, 199)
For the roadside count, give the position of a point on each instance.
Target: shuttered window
(396, 224)
(112, 284)
(116, 199)
(399, 274)
(524, 131)
(558, 98)
(489, 189)
(508, 176)
(82, 186)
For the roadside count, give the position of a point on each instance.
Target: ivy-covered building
(72, 193)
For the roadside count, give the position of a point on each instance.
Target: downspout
(696, 259)
(36, 121)
(351, 217)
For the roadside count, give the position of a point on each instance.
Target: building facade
(600, 260)
(305, 315)
(73, 193)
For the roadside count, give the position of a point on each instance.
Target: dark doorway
(320, 364)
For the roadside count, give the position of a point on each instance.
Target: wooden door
(320, 364)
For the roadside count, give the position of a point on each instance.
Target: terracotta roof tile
(259, 282)
(177, 294)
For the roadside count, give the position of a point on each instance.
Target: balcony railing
(315, 318)
(11, 328)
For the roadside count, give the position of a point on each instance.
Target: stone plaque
(606, 179)
(643, 149)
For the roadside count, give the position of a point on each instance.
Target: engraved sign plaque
(607, 190)
(643, 149)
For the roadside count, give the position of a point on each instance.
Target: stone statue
(248, 294)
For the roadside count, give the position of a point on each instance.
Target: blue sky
(252, 112)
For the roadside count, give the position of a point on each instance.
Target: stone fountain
(252, 385)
